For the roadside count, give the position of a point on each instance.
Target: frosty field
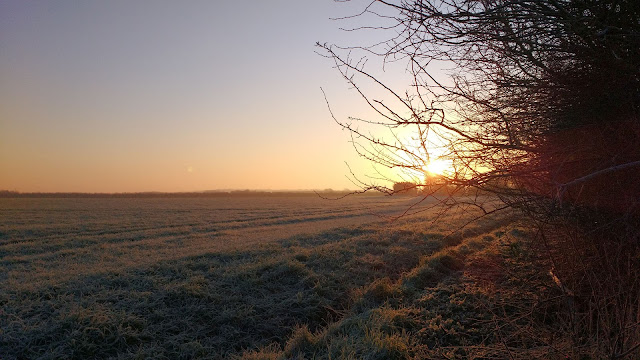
(54, 239)
(251, 277)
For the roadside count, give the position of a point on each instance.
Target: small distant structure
(405, 188)
(435, 184)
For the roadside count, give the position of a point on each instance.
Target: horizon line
(151, 192)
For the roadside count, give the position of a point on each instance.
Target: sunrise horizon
(130, 104)
(334, 179)
(206, 191)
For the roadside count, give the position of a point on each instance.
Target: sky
(129, 96)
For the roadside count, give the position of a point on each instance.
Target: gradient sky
(124, 96)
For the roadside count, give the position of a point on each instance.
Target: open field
(54, 239)
(254, 278)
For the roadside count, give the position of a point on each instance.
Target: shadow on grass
(220, 304)
(211, 305)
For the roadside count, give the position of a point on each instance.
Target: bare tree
(541, 108)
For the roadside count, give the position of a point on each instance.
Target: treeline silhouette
(151, 194)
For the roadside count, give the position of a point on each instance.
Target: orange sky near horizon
(160, 96)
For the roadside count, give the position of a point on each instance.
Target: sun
(437, 166)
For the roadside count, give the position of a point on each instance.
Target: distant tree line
(204, 194)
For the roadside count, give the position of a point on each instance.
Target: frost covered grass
(157, 286)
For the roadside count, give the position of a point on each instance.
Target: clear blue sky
(111, 96)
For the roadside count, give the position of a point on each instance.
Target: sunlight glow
(437, 166)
